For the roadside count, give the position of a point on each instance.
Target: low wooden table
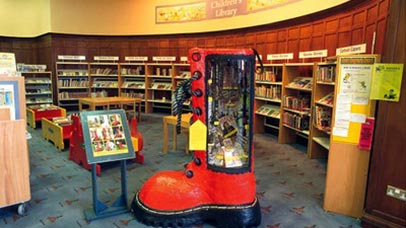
(93, 102)
(171, 120)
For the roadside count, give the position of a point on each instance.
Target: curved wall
(31, 18)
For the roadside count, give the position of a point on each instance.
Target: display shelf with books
(297, 86)
(159, 85)
(322, 108)
(104, 77)
(38, 86)
(72, 79)
(268, 93)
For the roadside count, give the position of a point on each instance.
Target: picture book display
(106, 136)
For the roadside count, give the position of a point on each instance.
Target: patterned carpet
(289, 185)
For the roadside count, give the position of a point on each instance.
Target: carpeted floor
(289, 185)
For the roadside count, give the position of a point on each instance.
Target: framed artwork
(9, 98)
(107, 136)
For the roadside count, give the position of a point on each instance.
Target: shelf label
(282, 56)
(313, 54)
(183, 58)
(136, 58)
(106, 58)
(71, 57)
(163, 58)
(354, 49)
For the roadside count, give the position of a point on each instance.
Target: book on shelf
(269, 110)
(43, 107)
(271, 91)
(138, 70)
(301, 83)
(326, 74)
(269, 76)
(134, 84)
(328, 99)
(322, 117)
(296, 121)
(110, 84)
(301, 103)
(103, 71)
(72, 72)
(62, 121)
(163, 86)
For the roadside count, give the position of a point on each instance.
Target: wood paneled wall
(353, 23)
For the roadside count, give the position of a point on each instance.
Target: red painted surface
(173, 190)
(48, 114)
(136, 134)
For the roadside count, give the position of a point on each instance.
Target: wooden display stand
(14, 160)
(55, 133)
(347, 166)
(34, 115)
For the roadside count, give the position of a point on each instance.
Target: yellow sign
(386, 82)
(197, 136)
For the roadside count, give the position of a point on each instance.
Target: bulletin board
(352, 104)
(107, 136)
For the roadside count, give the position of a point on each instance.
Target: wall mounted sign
(354, 49)
(105, 58)
(387, 81)
(163, 58)
(136, 58)
(313, 54)
(282, 56)
(72, 57)
(8, 65)
(212, 9)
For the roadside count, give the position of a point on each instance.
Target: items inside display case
(228, 114)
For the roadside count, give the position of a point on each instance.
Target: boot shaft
(222, 98)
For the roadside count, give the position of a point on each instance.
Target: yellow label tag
(210, 99)
(197, 136)
(135, 143)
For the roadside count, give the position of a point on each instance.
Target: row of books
(326, 74)
(269, 76)
(322, 117)
(138, 70)
(38, 81)
(296, 103)
(110, 84)
(39, 100)
(133, 94)
(162, 85)
(38, 90)
(163, 71)
(66, 95)
(73, 83)
(184, 74)
(328, 99)
(43, 107)
(103, 71)
(22, 67)
(269, 110)
(62, 121)
(134, 85)
(301, 83)
(102, 93)
(271, 92)
(72, 73)
(296, 121)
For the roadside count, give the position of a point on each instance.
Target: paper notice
(357, 117)
(338, 131)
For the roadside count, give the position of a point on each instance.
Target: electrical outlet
(396, 193)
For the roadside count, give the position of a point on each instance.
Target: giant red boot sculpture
(218, 185)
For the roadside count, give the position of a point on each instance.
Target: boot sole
(233, 216)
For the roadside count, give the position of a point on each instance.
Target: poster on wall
(7, 64)
(387, 82)
(355, 81)
(9, 98)
(352, 101)
(107, 136)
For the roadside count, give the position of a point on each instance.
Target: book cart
(14, 160)
(57, 130)
(37, 112)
